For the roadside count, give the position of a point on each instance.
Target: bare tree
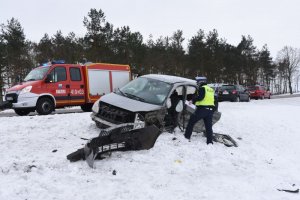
(289, 57)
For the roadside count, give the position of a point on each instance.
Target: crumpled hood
(22, 85)
(128, 104)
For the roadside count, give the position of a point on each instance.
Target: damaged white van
(132, 117)
(147, 100)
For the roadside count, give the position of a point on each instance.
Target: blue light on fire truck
(46, 64)
(58, 62)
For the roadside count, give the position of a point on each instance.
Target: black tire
(248, 100)
(87, 107)
(22, 112)
(44, 106)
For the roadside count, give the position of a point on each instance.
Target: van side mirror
(48, 79)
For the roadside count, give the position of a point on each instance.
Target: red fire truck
(58, 85)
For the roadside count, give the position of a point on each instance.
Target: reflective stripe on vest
(208, 99)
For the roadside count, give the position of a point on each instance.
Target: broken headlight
(139, 121)
(95, 107)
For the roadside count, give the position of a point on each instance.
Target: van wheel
(87, 107)
(22, 112)
(44, 106)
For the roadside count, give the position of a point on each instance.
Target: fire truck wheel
(22, 112)
(44, 106)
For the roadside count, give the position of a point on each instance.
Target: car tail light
(234, 92)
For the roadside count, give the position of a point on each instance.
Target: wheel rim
(46, 107)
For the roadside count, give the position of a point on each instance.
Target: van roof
(169, 78)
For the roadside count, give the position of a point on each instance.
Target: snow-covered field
(33, 162)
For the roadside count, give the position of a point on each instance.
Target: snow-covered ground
(33, 162)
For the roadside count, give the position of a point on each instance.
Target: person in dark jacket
(204, 102)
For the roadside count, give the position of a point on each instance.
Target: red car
(259, 92)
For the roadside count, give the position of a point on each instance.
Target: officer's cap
(201, 79)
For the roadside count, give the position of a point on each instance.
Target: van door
(76, 86)
(57, 85)
(188, 94)
(175, 107)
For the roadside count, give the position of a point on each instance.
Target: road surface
(11, 113)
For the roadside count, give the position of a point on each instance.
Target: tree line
(206, 54)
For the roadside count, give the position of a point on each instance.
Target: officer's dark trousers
(201, 113)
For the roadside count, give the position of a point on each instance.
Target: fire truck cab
(58, 85)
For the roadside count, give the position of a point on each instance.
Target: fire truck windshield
(37, 74)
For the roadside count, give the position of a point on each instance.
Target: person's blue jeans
(201, 113)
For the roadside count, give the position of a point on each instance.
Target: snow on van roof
(169, 78)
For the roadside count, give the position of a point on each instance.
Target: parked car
(259, 92)
(216, 87)
(234, 93)
(146, 99)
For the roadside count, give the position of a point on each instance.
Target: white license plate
(9, 98)
(225, 92)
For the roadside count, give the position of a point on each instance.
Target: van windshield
(146, 90)
(37, 74)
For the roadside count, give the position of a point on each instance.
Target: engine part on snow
(5, 105)
(122, 138)
(290, 191)
(225, 139)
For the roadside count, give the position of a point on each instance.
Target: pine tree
(18, 59)
(98, 37)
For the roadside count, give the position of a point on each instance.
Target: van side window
(58, 74)
(190, 93)
(75, 74)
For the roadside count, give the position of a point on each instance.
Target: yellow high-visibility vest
(209, 97)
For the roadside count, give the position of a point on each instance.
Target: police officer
(204, 102)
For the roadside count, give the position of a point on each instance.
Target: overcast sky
(271, 22)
